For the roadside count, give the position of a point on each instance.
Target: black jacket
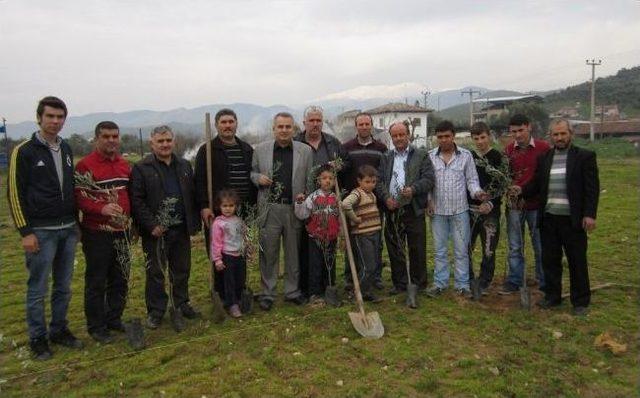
(220, 171)
(495, 159)
(35, 197)
(334, 150)
(147, 193)
(583, 184)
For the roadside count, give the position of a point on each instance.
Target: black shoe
(508, 288)
(116, 327)
(370, 297)
(434, 291)
(188, 311)
(66, 338)
(40, 348)
(394, 291)
(580, 311)
(102, 336)
(546, 304)
(300, 300)
(153, 322)
(265, 304)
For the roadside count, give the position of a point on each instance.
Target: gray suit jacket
(262, 163)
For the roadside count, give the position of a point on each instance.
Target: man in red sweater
(523, 153)
(104, 203)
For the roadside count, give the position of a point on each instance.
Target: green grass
(447, 347)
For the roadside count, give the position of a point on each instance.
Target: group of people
(291, 189)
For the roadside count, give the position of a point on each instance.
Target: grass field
(449, 346)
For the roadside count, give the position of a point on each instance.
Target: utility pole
(470, 92)
(140, 136)
(3, 129)
(425, 94)
(593, 64)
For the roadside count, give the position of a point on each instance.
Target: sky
(113, 56)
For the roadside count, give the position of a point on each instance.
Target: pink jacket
(227, 237)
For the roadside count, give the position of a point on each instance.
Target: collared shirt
(398, 173)
(282, 173)
(452, 181)
(56, 153)
(171, 184)
(532, 143)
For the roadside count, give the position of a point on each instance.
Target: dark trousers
(322, 265)
(409, 227)
(234, 276)
(304, 253)
(487, 226)
(557, 235)
(365, 251)
(377, 275)
(105, 279)
(169, 255)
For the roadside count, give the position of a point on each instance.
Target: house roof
(347, 114)
(508, 99)
(397, 107)
(612, 127)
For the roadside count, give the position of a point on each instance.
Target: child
(323, 225)
(227, 250)
(365, 225)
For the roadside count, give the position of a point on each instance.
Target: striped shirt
(362, 204)
(557, 199)
(453, 179)
(238, 173)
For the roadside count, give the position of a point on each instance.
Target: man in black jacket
(42, 205)
(567, 180)
(230, 169)
(164, 209)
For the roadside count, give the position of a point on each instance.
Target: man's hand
(391, 203)
(300, 198)
(219, 266)
(514, 191)
(264, 181)
(482, 195)
(430, 208)
(207, 216)
(30, 243)
(158, 231)
(484, 208)
(407, 192)
(588, 223)
(111, 209)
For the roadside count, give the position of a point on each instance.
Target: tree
(535, 112)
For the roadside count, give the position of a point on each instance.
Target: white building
(417, 116)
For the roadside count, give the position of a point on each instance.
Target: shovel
(368, 325)
(219, 314)
(412, 288)
(135, 334)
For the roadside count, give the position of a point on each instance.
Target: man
(455, 175)
(164, 209)
(406, 177)
(230, 168)
(485, 220)
(280, 170)
(363, 150)
(568, 185)
(40, 194)
(522, 154)
(326, 149)
(104, 203)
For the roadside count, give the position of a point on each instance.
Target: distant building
(619, 128)
(417, 116)
(607, 112)
(495, 107)
(567, 112)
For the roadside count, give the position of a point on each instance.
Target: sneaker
(234, 311)
(580, 311)
(265, 304)
(508, 288)
(116, 327)
(316, 300)
(546, 304)
(395, 291)
(372, 298)
(66, 338)
(153, 322)
(188, 311)
(434, 291)
(466, 293)
(102, 336)
(40, 348)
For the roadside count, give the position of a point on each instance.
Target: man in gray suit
(279, 170)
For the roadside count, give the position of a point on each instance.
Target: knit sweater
(320, 209)
(523, 163)
(362, 204)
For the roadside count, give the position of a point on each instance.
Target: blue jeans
(515, 230)
(56, 256)
(458, 228)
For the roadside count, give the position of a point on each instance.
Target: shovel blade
(412, 295)
(246, 300)
(476, 291)
(331, 296)
(525, 298)
(369, 326)
(135, 334)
